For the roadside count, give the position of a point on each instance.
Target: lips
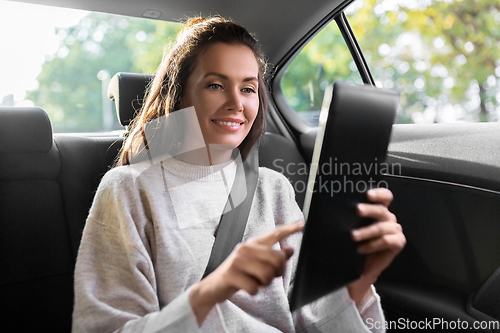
(229, 121)
(229, 124)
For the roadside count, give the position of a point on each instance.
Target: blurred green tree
(443, 56)
(323, 60)
(69, 89)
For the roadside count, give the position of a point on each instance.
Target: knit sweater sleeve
(115, 285)
(335, 312)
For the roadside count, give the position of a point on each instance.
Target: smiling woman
(232, 90)
(446, 190)
(147, 239)
(223, 90)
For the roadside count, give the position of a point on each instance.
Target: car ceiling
(278, 24)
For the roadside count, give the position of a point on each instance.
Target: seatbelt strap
(233, 222)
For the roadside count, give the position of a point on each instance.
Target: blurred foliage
(443, 56)
(322, 61)
(69, 89)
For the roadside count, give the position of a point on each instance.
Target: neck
(209, 155)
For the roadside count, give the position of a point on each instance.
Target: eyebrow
(222, 76)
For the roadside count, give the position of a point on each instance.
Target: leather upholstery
(17, 122)
(127, 90)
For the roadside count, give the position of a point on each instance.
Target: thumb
(288, 251)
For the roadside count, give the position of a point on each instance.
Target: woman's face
(223, 88)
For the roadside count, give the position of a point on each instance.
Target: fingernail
(355, 234)
(371, 193)
(361, 208)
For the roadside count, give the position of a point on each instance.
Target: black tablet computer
(348, 160)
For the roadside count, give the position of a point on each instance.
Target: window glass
(443, 56)
(322, 61)
(61, 60)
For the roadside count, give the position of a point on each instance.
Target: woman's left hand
(380, 241)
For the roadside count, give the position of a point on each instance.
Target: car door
(446, 184)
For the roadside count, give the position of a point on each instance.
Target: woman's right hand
(251, 265)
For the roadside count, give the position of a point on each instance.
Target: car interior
(446, 187)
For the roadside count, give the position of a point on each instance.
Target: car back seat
(46, 189)
(47, 184)
(84, 160)
(36, 274)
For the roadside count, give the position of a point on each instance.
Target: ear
(179, 105)
(181, 101)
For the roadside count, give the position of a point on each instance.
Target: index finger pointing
(279, 233)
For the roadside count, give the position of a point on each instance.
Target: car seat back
(36, 278)
(46, 189)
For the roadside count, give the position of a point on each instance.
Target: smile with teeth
(227, 123)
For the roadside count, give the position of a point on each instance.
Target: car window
(62, 59)
(325, 59)
(442, 56)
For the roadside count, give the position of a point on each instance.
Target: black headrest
(127, 90)
(24, 130)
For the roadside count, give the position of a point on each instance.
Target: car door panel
(446, 196)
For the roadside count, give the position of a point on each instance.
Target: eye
(248, 90)
(215, 86)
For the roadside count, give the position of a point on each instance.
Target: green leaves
(441, 55)
(69, 89)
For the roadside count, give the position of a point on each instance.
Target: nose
(234, 102)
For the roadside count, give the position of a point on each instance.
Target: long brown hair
(177, 65)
